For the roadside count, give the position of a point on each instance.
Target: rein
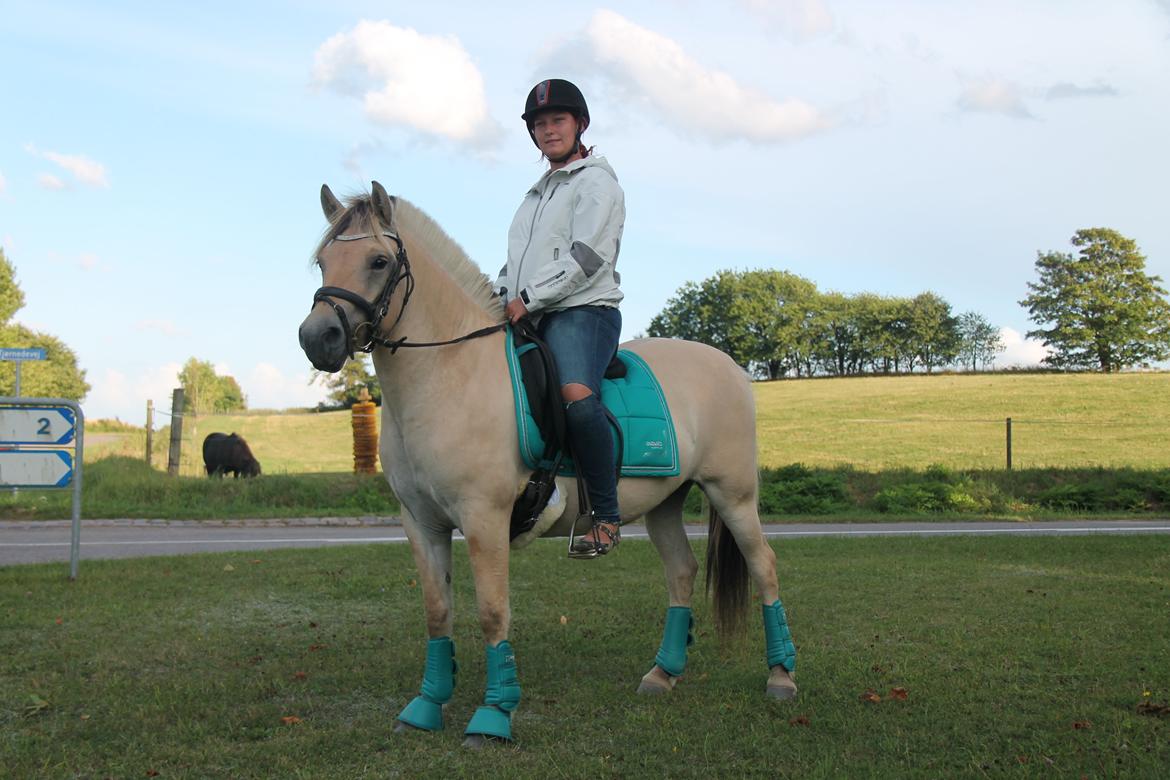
(377, 309)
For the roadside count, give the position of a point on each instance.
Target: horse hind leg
(735, 541)
(664, 524)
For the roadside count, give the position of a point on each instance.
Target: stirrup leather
(587, 549)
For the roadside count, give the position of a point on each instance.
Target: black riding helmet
(555, 94)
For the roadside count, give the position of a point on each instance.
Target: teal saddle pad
(650, 448)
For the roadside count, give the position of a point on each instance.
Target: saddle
(542, 389)
(632, 400)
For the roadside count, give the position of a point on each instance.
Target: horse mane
(360, 215)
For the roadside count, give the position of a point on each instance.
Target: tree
(766, 318)
(979, 340)
(57, 376)
(206, 392)
(346, 384)
(1099, 309)
(933, 330)
(703, 312)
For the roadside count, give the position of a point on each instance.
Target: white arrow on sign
(35, 468)
(36, 425)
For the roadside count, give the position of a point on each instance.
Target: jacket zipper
(531, 228)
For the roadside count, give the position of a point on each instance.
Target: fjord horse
(393, 280)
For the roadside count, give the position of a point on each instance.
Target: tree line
(1097, 309)
(775, 324)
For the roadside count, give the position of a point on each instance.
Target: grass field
(957, 420)
(986, 656)
(870, 423)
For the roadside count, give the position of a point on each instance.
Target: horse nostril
(333, 337)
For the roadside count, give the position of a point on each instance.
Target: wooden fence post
(1009, 444)
(176, 432)
(149, 430)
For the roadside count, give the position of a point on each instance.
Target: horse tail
(727, 576)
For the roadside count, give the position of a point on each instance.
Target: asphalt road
(41, 542)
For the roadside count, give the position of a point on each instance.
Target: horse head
(363, 263)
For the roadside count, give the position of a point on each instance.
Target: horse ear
(329, 203)
(383, 205)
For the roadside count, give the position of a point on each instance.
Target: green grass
(121, 487)
(957, 420)
(1021, 656)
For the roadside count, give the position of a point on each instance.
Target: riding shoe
(587, 549)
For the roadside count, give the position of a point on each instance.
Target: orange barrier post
(365, 435)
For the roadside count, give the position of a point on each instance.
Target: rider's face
(556, 132)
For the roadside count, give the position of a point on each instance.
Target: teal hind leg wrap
(426, 710)
(676, 638)
(781, 649)
(494, 718)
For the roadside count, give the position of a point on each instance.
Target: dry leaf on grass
(1081, 725)
(870, 696)
(800, 720)
(290, 720)
(1154, 709)
(899, 693)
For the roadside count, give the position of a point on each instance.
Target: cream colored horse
(449, 448)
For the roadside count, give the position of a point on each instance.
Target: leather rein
(364, 338)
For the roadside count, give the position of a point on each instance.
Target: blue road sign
(35, 468)
(48, 425)
(22, 353)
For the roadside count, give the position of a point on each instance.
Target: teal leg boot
(671, 660)
(781, 652)
(426, 710)
(494, 718)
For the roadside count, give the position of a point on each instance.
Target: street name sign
(35, 468)
(22, 353)
(48, 425)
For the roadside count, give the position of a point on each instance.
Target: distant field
(875, 423)
(871, 423)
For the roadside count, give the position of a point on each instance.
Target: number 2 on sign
(44, 429)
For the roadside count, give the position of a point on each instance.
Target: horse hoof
(656, 682)
(480, 741)
(404, 728)
(781, 686)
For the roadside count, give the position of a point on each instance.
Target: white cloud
(50, 182)
(3, 183)
(425, 83)
(799, 20)
(114, 394)
(267, 387)
(1066, 90)
(994, 96)
(1019, 350)
(84, 169)
(658, 73)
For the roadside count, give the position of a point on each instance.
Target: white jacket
(565, 238)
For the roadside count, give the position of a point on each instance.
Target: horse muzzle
(324, 340)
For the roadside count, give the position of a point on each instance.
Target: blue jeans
(583, 340)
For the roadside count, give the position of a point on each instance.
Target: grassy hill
(870, 423)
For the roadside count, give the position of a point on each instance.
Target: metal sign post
(36, 435)
(19, 355)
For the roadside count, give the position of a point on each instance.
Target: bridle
(365, 337)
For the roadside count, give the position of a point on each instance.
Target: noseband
(365, 336)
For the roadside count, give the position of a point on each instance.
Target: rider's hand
(515, 310)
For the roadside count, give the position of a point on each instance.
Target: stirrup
(587, 549)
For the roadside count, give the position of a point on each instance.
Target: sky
(160, 162)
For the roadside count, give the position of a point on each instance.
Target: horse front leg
(664, 524)
(488, 549)
(432, 558)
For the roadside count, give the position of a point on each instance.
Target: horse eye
(380, 262)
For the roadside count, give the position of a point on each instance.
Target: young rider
(562, 249)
